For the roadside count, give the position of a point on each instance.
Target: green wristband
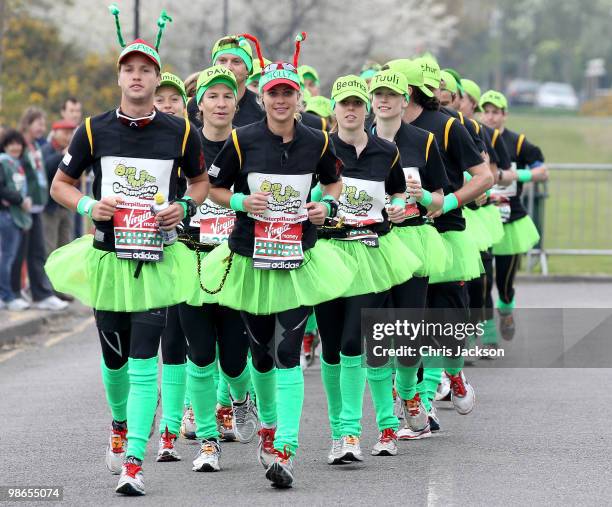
(488, 193)
(398, 201)
(237, 201)
(85, 205)
(524, 175)
(316, 194)
(184, 206)
(426, 199)
(450, 203)
(328, 206)
(467, 176)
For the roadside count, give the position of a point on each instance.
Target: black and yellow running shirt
(419, 152)
(367, 179)
(248, 111)
(314, 121)
(458, 152)
(503, 160)
(254, 158)
(526, 156)
(469, 126)
(133, 163)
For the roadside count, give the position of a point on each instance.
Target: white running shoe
(386, 445)
(17, 305)
(188, 426)
(280, 472)
(434, 420)
(415, 413)
(462, 394)
(265, 448)
(443, 388)
(131, 481)
(167, 451)
(117, 445)
(351, 448)
(407, 434)
(207, 459)
(244, 422)
(397, 405)
(52, 303)
(225, 423)
(335, 454)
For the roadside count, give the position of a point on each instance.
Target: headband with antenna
(298, 42)
(162, 21)
(296, 55)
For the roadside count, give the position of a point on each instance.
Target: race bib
(509, 191)
(365, 236)
(288, 196)
(361, 201)
(137, 235)
(504, 211)
(277, 245)
(135, 179)
(214, 222)
(412, 210)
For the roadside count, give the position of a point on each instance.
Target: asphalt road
(538, 436)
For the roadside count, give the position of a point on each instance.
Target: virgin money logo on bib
(288, 195)
(135, 178)
(362, 201)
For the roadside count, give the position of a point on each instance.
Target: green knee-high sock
(238, 386)
(203, 399)
(251, 368)
(289, 402)
(117, 387)
(489, 336)
(187, 392)
(223, 392)
(381, 388)
(352, 386)
(330, 375)
(265, 390)
(173, 396)
(406, 382)
(142, 403)
(428, 387)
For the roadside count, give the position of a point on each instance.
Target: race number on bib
(288, 195)
(277, 245)
(365, 236)
(137, 235)
(214, 222)
(412, 210)
(361, 201)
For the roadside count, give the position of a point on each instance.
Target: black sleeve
(529, 155)
(505, 162)
(193, 113)
(330, 166)
(461, 147)
(225, 168)
(486, 138)
(78, 157)
(12, 196)
(193, 163)
(434, 177)
(469, 126)
(395, 182)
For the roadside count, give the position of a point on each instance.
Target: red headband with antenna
(254, 40)
(298, 41)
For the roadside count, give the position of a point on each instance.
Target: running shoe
(415, 413)
(434, 420)
(225, 423)
(244, 421)
(506, 326)
(406, 433)
(309, 345)
(335, 454)
(52, 303)
(17, 305)
(117, 445)
(280, 471)
(167, 451)
(397, 406)
(351, 448)
(265, 447)
(207, 459)
(131, 481)
(443, 391)
(387, 444)
(462, 394)
(188, 427)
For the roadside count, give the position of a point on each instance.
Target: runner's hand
(414, 188)
(169, 218)
(434, 214)
(316, 212)
(481, 200)
(396, 214)
(256, 202)
(105, 208)
(26, 204)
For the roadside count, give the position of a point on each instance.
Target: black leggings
(173, 342)
(276, 340)
(134, 335)
(505, 272)
(479, 292)
(211, 324)
(339, 322)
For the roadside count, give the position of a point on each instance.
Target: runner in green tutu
(272, 268)
(520, 233)
(124, 271)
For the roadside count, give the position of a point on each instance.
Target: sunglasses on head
(135, 122)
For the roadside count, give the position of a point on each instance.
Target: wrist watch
(191, 209)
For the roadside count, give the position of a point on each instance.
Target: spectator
(14, 213)
(57, 220)
(32, 248)
(72, 111)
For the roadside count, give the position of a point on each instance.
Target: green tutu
(520, 236)
(196, 296)
(466, 264)
(491, 218)
(378, 269)
(325, 274)
(425, 242)
(99, 279)
(475, 227)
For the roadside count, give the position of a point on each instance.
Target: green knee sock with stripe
(380, 381)
(116, 387)
(406, 382)
(142, 403)
(238, 386)
(223, 392)
(352, 386)
(203, 399)
(172, 396)
(330, 376)
(289, 402)
(265, 390)
(429, 385)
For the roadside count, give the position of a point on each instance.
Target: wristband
(328, 206)
(488, 193)
(331, 204)
(524, 175)
(450, 203)
(85, 206)
(316, 193)
(237, 201)
(398, 201)
(184, 206)
(426, 199)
